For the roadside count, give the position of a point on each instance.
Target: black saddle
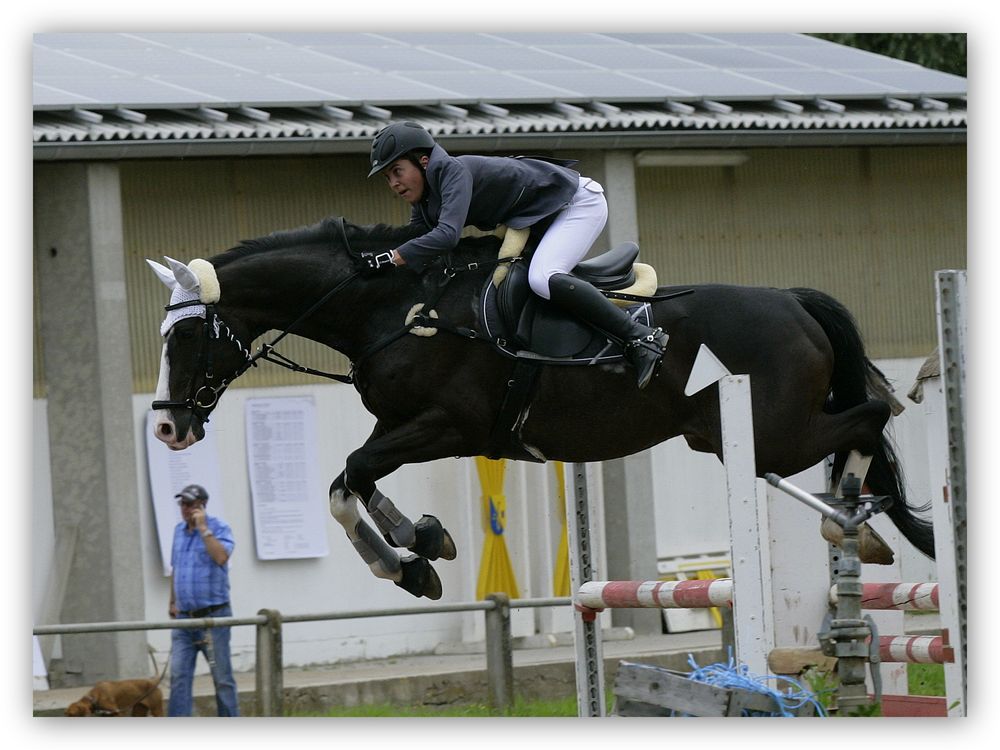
(523, 324)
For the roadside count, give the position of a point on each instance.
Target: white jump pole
(751, 593)
(753, 616)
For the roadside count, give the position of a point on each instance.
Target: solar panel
(332, 39)
(127, 91)
(437, 38)
(830, 84)
(625, 57)
(666, 40)
(210, 39)
(495, 86)
(359, 86)
(43, 95)
(542, 38)
(283, 60)
(607, 85)
(48, 62)
(156, 61)
(193, 67)
(508, 57)
(739, 58)
(717, 83)
(838, 58)
(84, 41)
(750, 39)
(248, 89)
(391, 57)
(920, 81)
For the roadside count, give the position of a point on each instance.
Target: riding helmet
(395, 140)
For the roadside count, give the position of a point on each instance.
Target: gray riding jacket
(483, 191)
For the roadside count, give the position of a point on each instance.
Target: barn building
(751, 158)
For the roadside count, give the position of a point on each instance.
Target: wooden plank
(647, 690)
(671, 690)
(794, 661)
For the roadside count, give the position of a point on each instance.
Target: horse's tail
(856, 380)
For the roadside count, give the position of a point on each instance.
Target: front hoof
(433, 540)
(419, 578)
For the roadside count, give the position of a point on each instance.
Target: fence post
(499, 656)
(270, 679)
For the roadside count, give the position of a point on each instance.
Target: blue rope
(731, 675)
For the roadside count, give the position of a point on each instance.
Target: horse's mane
(326, 233)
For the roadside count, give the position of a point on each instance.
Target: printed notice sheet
(288, 501)
(170, 472)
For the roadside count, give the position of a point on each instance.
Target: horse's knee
(357, 476)
(343, 505)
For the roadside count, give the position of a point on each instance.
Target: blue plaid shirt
(198, 580)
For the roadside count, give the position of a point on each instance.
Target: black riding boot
(643, 345)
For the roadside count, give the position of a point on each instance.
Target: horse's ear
(187, 278)
(163, 273)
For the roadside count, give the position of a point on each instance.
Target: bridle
(206, 396)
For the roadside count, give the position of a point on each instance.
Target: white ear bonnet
(194, 281)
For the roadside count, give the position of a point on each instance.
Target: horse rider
(447, 193)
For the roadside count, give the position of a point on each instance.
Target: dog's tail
(152, 658)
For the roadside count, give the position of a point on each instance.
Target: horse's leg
(382, 559)
(855, 432)
(425, 438)
(426, 538)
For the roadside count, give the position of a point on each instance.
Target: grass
(521, 708)
(923, 679)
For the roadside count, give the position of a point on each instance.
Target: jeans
(214, 644)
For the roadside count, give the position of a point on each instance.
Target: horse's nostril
(166, 430)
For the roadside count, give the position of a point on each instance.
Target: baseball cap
(193, 492)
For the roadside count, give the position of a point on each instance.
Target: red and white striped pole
(900, 596)
(915, 649)
(597, 595)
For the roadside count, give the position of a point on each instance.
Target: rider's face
(406, 179)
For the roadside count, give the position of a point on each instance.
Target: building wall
(867, 225)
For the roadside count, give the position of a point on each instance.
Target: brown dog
(120, 698)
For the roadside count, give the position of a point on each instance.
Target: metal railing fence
(269, 679)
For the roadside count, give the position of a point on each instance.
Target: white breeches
(569, 237)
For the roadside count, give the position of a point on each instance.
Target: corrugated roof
(333, 91)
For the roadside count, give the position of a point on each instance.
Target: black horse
(452, 394)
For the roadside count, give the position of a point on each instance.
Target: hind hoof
(419, 578)
(872, 548)
(433, 540)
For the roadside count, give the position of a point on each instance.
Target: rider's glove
(374, 263)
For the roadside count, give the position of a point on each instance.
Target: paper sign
(288, 509)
